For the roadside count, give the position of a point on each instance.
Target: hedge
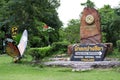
(55, 48)
(59, 47)
(39, 53)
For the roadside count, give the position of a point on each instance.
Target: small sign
(14, 31)
(88, 52)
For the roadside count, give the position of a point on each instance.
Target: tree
(30, 14)
(110, 23)
(72, 32)
(88, 4)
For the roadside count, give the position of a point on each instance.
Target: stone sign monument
(90, 26)
(90, 47)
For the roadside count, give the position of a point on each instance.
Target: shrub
(39, 53)
(35, 41)
(60, 47)
(118, 44)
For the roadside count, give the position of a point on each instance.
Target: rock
(90, 31)
(83, 66)
(69, 49)
(109, 47)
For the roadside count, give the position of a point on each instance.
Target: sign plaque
(88, 52)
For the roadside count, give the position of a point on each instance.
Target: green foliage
(1, 46)
(118, 45)
(44, 37)
(114, 54)
(36, 41)
(30, 15)
(50, 35)
(110, 24)
(72, 32)
(25, 12)
(55, 48)
(88, 4)
(59, 47)
(103, 37)
(107, 14)
(2, 34)
(62, 34)
(39, 53)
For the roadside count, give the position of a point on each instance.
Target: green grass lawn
(25, 71)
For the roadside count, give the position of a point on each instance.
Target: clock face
(89, 19)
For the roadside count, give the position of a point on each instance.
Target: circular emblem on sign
(89, 19)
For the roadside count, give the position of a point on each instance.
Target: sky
(71, 9)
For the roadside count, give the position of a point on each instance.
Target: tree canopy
(88, 4)
(72, 32)
(110, 22)
(31, 15)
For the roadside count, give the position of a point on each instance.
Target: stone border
(81, 66)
